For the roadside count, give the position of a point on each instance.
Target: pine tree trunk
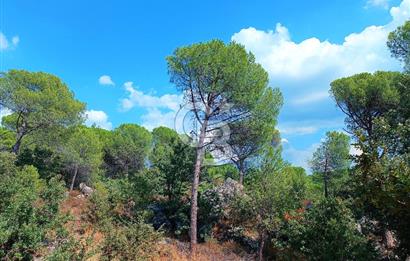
(200, 150)
(16, 146)
(241, 176)
(261, 246)
(74, 177)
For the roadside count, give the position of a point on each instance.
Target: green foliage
(46, 161)
(39, 103)
(327, 231)
(227, 70)
(7, 165)
(71, 249)
(82, 155)
(331, 161)
(7, 139)
(364, 97)
(28, 210)
(378, 115)
(135, 241)
(250, 136)
(271, 192)
(113, 210)
(127, 151)
(217, 174)
(399, 44)
(174, 161)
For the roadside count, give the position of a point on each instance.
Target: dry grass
(173, 250)
(167, 250)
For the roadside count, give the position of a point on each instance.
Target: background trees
(39, 102)
(249, 137)
(127, 150)
(82, 155)
(174, 161)
(399, 44)
(364, 97)
(331, 160)
(376, 108)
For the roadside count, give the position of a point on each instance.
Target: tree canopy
(39, 102)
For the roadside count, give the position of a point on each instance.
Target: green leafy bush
(327, 231)
(28, 210)
(132, 241)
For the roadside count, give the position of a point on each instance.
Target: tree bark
(326, 178)
(241, 175)
(326, 183)
(74, 177)
(261, 246)
(16, 146)
(200, 150)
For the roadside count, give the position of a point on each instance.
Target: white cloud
(15, 40)
(155, 118)
(304, 127)
(4, 42)
(141, 99)
(4, 112)
(355, 151)
(98, 118)
(106, 80)
(161, 110)
(299, 157)
(304, 70)
(283, 141)
(310, 98)
(322, 61)
(377, 3)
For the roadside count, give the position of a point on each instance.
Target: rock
(221, 197)
(86, 190)
(390, 239)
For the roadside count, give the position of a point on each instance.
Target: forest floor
(167, 249)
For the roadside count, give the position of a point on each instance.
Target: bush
(28, 210)
(326, 232)
(133, 241)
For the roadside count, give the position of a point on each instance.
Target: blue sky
(112, 53)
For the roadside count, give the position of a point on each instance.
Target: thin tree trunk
(326, 178)
(241, 175)
(261, 246)
(16, 146)
(326, 181)
(194, 197)
(74, 177)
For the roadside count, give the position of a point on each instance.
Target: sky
(112, 53)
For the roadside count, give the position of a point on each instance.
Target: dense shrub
(28, 210)
(131, 241)
(327, 231)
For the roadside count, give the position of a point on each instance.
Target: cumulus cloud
(160, 110)
(105, 80)
(312, 59)
(97, 118)
(5, 44)
(304, 70)
(141, 99)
